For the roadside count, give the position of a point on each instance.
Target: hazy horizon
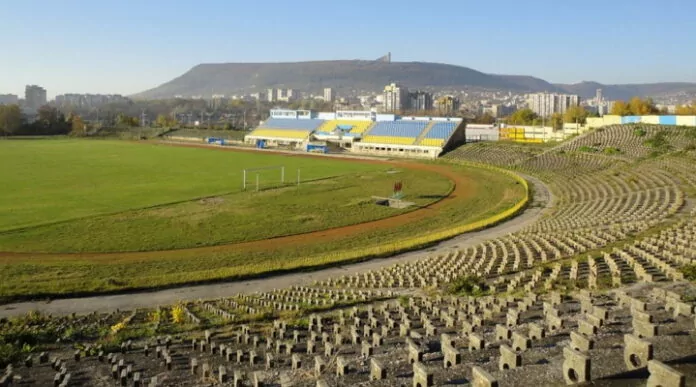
(125, 48)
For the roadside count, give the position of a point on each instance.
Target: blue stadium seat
(399, 128)
(442, 130)
(292, 124)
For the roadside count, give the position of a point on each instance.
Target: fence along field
(479, 195)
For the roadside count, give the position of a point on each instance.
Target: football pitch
(91, 216)
(78, 196)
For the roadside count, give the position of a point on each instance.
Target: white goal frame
(251, 170)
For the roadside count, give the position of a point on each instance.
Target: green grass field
(76, 196)
(103, 196)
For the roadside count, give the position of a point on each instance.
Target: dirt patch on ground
(464, 188)
(211, 201)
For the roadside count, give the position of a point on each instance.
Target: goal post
(253, 174)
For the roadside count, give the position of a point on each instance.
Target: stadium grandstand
(360, 132)
(291, 128)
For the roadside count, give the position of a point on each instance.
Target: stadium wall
(478, 132)
(686, 120)
(597, 122)
(413, 151)
(530, 134)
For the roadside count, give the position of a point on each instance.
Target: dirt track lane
(543, 200)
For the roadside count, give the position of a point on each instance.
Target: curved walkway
(542, 201)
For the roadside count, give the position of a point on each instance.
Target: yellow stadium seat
(281, 133)
(358, 125)
(389, 140)
(432, 142)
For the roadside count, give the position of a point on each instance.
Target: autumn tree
(686, 110)
(50, 121)
(10, 119)
(635, 107)
(575, 114)
(557, 121)
(485, 118)
(642, 107)
(125, 120)
(522, 117)
(77, 125)
(620, 108)
(165, 121)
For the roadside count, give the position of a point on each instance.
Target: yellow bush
(178, 314)
(155, 316)
(117, 327)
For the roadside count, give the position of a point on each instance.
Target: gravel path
(542, 201)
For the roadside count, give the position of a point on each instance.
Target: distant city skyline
(129, 46)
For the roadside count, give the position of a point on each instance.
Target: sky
(128, 46)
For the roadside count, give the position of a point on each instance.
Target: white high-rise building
(34, 96)
(272, 95)
(396, 98)
(9, 99)
(546, 104)
(329, 94)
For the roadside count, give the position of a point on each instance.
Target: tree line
(48, 121)
(573, 115)
(643, 107)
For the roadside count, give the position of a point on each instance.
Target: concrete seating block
(377, 340)
(422, 377)
(366, 350)
(662, 375)
(415, 354)
(258, 379)
(319, 365)
(377, 370)
(341, 366)
(520, 342)
(445, 338)
(502, 333)
(508, 358)
(642, 316)
(536, 331)
(296, 362)
(481, 378)
(237, 378)
(576, 367)
(476, 342)
(587, 328)
(644, 329)
(452, 356)
(637, 352)
(554, 323)
(580, 342)
(194, 366)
